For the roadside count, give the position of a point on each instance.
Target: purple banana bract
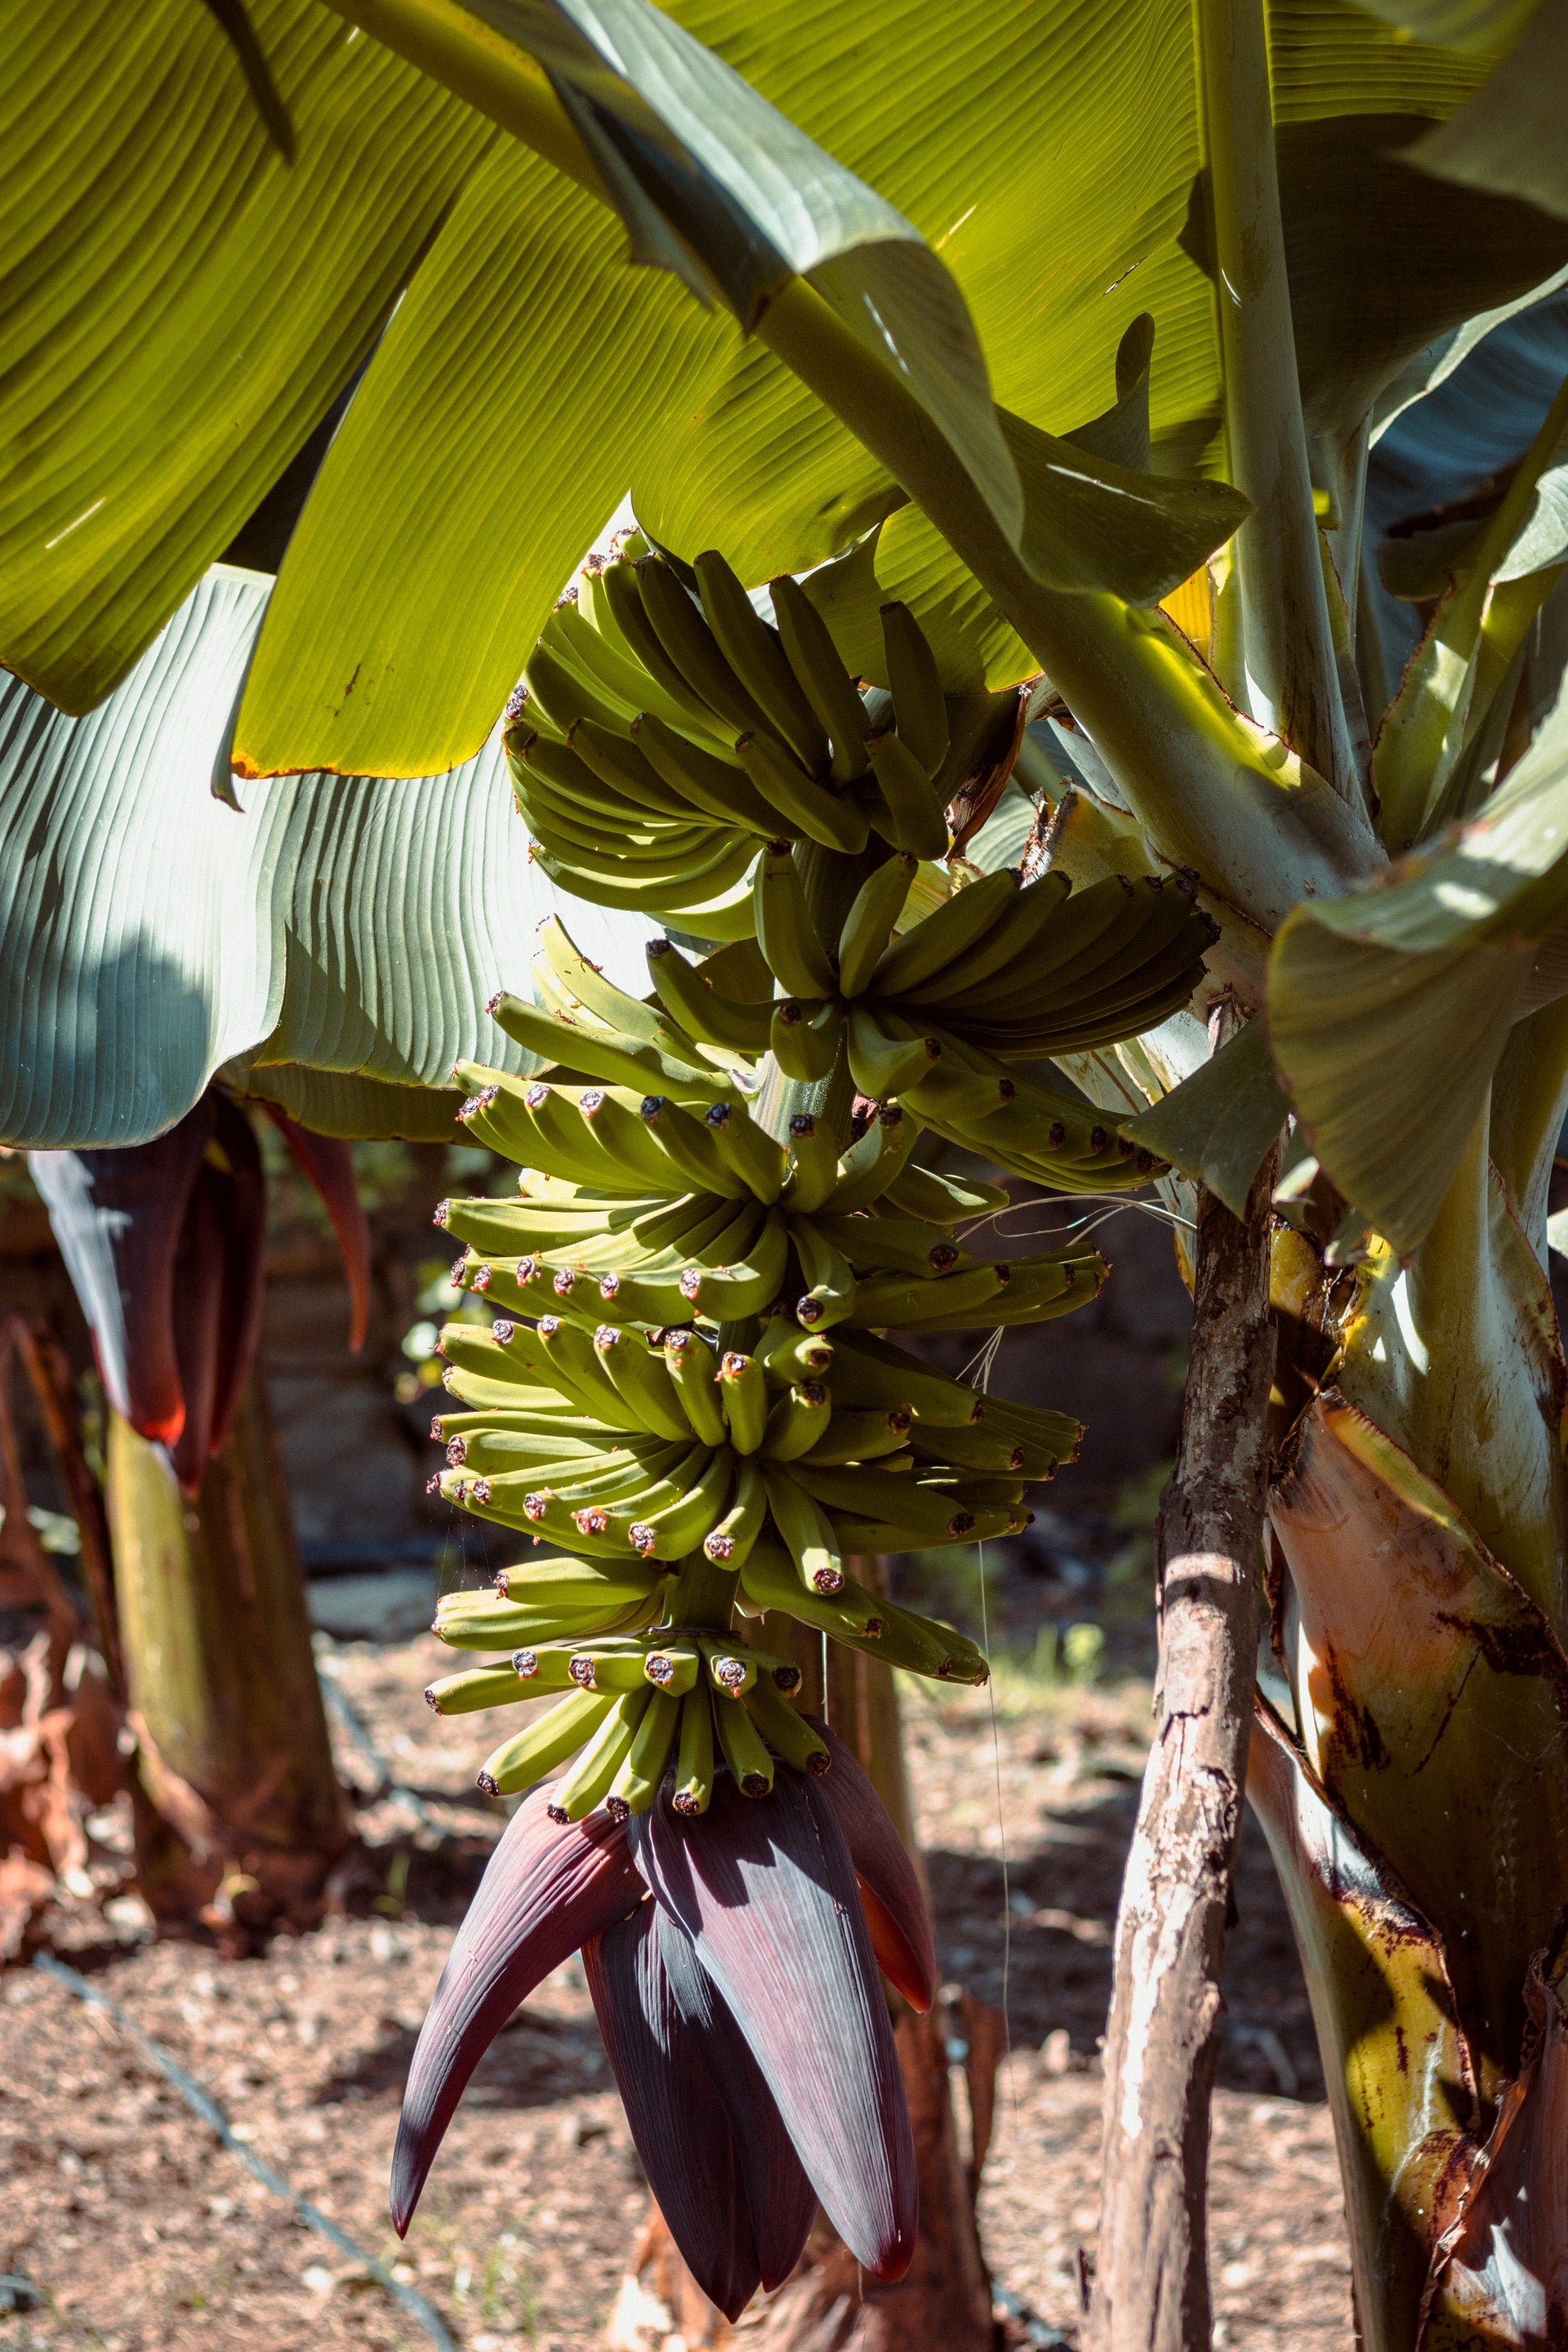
(735, 1975)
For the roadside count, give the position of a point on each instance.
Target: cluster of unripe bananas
(693, 1385)
(702, 1405)
(660, 737)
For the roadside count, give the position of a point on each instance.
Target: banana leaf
(749, 461)
(151, 932)
(182, 306)
(1389, 1009)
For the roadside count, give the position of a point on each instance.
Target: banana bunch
(642, 1209)
(693, 1479)
(632, 1704)
(685, 1061)
(995, 971)
(660, 737)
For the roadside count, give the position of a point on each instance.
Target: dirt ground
(128, 2226)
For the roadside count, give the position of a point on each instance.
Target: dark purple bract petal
(782, 2200)
(547, 1888)
(895, 1911)
(767, 1893)
(678, 2121)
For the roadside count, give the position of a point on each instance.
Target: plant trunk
(240, 1815)
(829, 2305)
(1151, 2289)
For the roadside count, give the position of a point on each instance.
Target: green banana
(587, 634)
(894, 1244)
(622, 590)
(673, 1666)
(557, 1038)
(805, 1035)
(813, 1164)
(792, 1740)
(813, 809)
(923, 950)
(919, 709)
(785, 932)
(904, 1302)
(868, 1373)
(571, 1582)
(797, 1422)
(480, 1686)
(825, 683)
(564, 693)
(641, 1378)
(743, 1389)
(989, 1447)
(883, 1065)
(940, 1199)
(771, 1578)
(689, 644)
(543, 1744)
(750, 1765)
(872, 1165)
(645, 1024)
(806, 1528)
(873, 1494)
(915, 818)
(624, 768)
(742, 1028)
(575, 1365)
(830, 1284)
(728, 1292)
(592, 1777)
(682, 1525)
(730, 1668)
(747, 1148)
(702, 896)
(855, 1434)
(638, 1779)
(868, 927)
(757, 659)
(1009, 946)
(694, 1759)
(717, 787)
(694, 1373)
(787, 1353)
(729, 1543)
(689, 1147)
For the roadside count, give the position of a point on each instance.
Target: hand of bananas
(658, 741)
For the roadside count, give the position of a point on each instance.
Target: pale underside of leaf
(150, 934)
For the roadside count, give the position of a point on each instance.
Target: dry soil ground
(137, 2230)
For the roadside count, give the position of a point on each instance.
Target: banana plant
(1264, 235)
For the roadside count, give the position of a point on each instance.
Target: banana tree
(1314, 211)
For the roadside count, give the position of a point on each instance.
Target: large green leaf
(527, 374)
(150, 934)
(346, 1103)
(180, 305)
(704, 171)
(1218, 1124)
(1508, 139)
(1057, 246)
(1389, 1009)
